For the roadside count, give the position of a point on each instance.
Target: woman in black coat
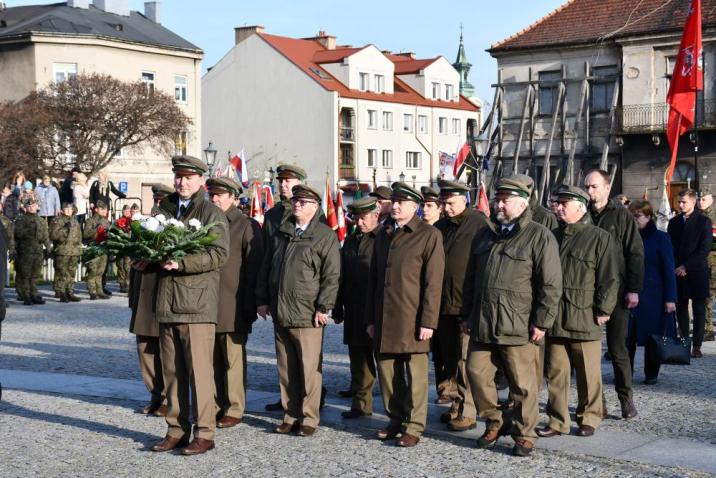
(101, 189)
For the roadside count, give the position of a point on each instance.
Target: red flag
(460, 158)
(256, 211)
(687, 78)
(328, 207)
(342, 228)
(239, 164)
(269, 197)
(483, 205)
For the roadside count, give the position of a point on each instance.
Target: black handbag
(667, 350)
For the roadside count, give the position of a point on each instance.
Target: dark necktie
(182, 210)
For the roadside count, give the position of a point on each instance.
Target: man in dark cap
(95, 227)
(382, 196)
(512, 289)
(431, 205)
(403, 306)
(186, 305)
(237, 304)
(458, 226)
(31, 235)
(298, 284)
(356, 256)
(590, 273)
(159, 192)
(705, 204)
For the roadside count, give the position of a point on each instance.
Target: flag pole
(696, 121)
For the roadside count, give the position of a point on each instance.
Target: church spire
(463, 67)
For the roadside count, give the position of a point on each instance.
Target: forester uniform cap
(301, 191)
(223, 185)
(403, 192)
(161, 190)
(366, 204)
(572, 193)
(188, 165)
(429, 194)
(452, 188)
(290, 171)
(382, 192)
(516, 185)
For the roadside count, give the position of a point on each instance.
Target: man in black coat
(691, 237)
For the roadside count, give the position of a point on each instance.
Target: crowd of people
(512, 298)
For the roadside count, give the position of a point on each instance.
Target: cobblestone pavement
(60, 435)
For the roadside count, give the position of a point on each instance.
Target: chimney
(242, 33)
(329, 41)
(408, 54)
(118, 7)
(78, 3)
(151, 11)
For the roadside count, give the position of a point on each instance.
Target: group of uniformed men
(494, 294)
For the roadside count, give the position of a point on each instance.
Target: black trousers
(651, 369)
(617, 329)
(682, 313)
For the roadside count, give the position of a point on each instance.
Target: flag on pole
(328, 207)
(269, 197)
(256, 211)
(483, 205)
(460, 158)
(239, 164)
(686, 80)
(341, 217)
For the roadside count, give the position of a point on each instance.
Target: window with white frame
(379, 84)
(63, 71)
(456, 126)
(387, 159)
(372, 119)
(148, 80)
(364, 81)
(180, 89)
(422, 124)
(387, 121)
(436, 91)
(449, 92)
(372, 158)
(442, 125)
(412, 160)
(408, 123)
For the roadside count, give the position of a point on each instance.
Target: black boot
(28, 302)
(73, 297)
(106, 291)
(36, 299)
(63, 297)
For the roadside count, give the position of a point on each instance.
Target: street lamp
(272, 174)
(402, 177)
(481, 146)
(210, 157)
(413, 181)
(375, 172)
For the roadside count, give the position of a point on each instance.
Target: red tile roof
(307, 54)
(413, 66)
(587, 21)
(334, 56)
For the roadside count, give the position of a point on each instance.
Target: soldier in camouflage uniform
(66, 233)
(97, 266)
(9, 231)
(124, 264)
(32, 243)
(705, 203)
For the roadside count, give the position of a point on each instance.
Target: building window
(387, 121)
(387, 159)
(180, 89)
(603, 88)
(442, 125)
(180, 144)
(412, 160)
(449, 92)
(379, 86)
(364, 81)
(372, 158)
(436, 91)
(456, 126)
(408, 123)
(372, 119)
(422, 124)
(64, 71)
(548, 92)
(346, 156)
(148, 80)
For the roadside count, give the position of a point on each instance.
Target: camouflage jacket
(31, 234)
(67, 236)
(91, 227)
(9, 231)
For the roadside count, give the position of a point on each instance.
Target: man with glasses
(298, 284)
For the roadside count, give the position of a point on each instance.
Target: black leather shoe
(547, 432)
(63, 297)
(106, 291)
(628, 408)
(274, 407)
(349, 414)
(28, 302)
(73, 297)
(584, 431)
(650, 381)
(36, 299)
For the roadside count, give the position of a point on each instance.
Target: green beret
(516, 185)
(188, 165)
(572, 193)
(301, 191)
(100, 204)
(366, 204)
(161, 189)
(452, 188)
(290, 171)
(704, 192)
(429, 194)
(225, 185)
(403, 192)
(382, 192)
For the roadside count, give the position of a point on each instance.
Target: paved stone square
(76, 385)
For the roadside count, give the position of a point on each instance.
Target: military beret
(452, 188)
(362, 205)
(704, 192)
(135, 206)
(403, 192)
(516, 185)
(290, 171)
(188, 165)
(429, 194)
(301, 191)
(572, 193)
(66, 205)
(100, 204)
(161, 189)
(226, 185)
(382, 192)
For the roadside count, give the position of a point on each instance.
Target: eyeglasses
(302, 202)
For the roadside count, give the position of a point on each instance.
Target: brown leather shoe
(198, 446)
(228, 422)
(170, 443)
(584, 431)
(547, 432)
(696, 352)
(443, 400)
(407, 440)
(489, 438)
(286, 428)
(523, 448)
(388, 433)
(450, 415)
(350, 414)
(161, 411)
(461, 424)
(628, 408)
(306, 431)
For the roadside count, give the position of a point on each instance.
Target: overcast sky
(426, 28)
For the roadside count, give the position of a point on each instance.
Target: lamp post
(402, 177)
(210, 157)
(413, 181)
(375, 172)
(481, 145)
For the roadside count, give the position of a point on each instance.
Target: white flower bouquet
(151, 239)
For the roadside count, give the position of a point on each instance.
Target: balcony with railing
(652, 118)
(347, 134)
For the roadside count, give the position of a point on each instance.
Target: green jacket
(31, 234)
(67, 236)
(300, 274)
(512, 281)
(618, 221)
(10, 231)
(92, 226)
(190, 295)
(590, 272)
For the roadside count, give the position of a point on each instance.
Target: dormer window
(449, 92)
(436, 91)
(364, 81)
(379, 84)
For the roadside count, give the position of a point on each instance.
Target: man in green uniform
(95, 227)
(705, 203)
(66, 233)
(32, 243)
(124, 264)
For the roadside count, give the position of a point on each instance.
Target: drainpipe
(415, 133)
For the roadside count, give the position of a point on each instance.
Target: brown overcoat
(141, 301)
(406, 281)
(237, 303)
